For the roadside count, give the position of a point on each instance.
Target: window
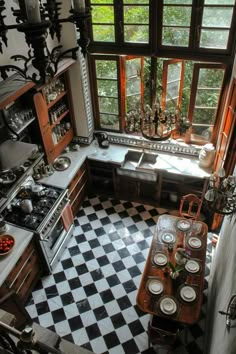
(126, 83)
(195, 26)
(177, 53)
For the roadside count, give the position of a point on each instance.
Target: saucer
(168, 306)
(155, 286)
(194, 242)
(187, 293)
(160, 259)
(183, 225)
(192, 266)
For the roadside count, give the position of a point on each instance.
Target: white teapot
(207, 156)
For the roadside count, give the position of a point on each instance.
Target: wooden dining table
(159, 294)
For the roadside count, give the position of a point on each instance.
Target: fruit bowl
(7, 243)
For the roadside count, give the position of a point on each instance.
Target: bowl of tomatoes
(7, 243)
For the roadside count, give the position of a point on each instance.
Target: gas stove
(44, 204)
(10, 179)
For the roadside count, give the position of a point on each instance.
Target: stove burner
(19, 171)
(7, 177)
(27, 163)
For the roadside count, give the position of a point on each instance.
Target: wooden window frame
(193, 95)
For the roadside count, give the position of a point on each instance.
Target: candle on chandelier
(33, 11)
(79, 5)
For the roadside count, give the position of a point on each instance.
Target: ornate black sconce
(43, 19)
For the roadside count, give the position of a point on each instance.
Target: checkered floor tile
(90, 299)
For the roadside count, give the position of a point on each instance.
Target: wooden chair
(190, 206)
(162, 332)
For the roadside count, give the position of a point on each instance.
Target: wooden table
(187, 312)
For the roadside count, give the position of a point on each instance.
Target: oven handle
(46, 239)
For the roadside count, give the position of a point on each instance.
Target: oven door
(60, 233)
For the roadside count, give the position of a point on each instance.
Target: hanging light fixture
(35, 18)
(221, 194)
(156, 124)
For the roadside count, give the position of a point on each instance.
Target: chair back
(190, 206)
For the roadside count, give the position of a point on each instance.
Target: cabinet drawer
(82, 180)
(77, 177)
(78, 199)
(28, 279)
(20, 264)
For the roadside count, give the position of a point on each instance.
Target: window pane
(203, 132)
(204, 115)
(136, 1)
(178, 16)
(136, 33)
(172, 90)
(108, 105)
(174, 71)
(133, 86)
(103, 33)
(173, 36)
(102, 2)
(217, 17)
(106, 69)
(107, 88)
(214, 39)
(207, 98)
(109, 121)
(178, 2)
(136, 14)
(219, 2)
(103, 14)
(211, 78)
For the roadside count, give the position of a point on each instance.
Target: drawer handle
(23, 281)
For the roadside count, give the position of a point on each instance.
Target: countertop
(171, 163)
(22, 239)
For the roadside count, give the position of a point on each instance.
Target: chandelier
(156, 124)
(221, 195)
(35, 18)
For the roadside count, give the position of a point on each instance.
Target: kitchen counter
(115, 154)
(22, 239)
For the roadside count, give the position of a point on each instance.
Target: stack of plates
(194, 242)
(168, 306)
(187, 293)
(160, 259)
(192, 266)
(155, 286)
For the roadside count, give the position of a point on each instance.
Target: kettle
(102, 139)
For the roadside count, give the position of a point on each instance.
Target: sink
(139, 164)
(132, 159)
(148, 161)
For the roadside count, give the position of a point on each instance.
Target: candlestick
(33, 11)
(79, 5)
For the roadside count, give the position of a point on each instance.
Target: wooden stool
(162, 332)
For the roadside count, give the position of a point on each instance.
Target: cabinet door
(55, 116)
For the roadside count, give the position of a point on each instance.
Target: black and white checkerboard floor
(90, 299)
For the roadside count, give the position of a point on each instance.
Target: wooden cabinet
(55, 113)
(101, 176)
(78, 188)
(25, 273)
(174, 186)
(137, 190)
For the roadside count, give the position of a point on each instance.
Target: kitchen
(76, 177)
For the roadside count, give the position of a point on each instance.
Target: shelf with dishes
(55, 116)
